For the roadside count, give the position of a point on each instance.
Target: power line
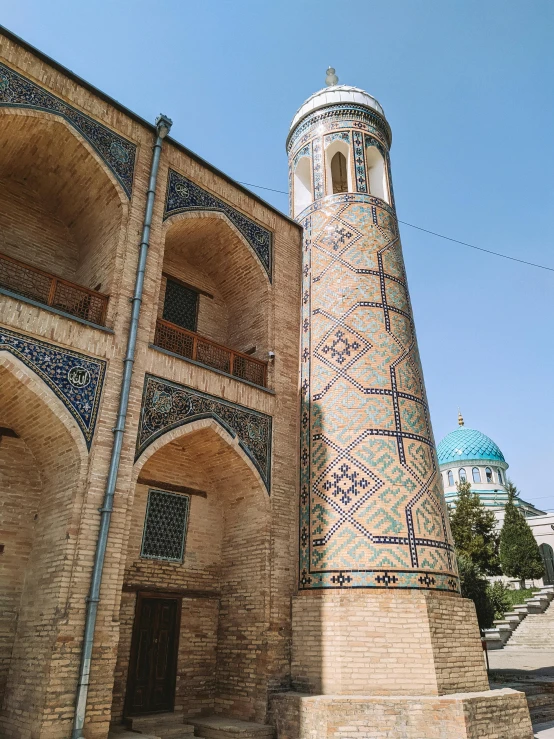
(434, 233)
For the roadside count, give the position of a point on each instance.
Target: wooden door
(153, 661)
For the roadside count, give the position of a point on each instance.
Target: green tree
(519, 552)
(476, 587)
(474, 530)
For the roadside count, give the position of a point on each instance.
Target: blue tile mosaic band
(75, 378)
(119, 154)
(184, 195)
(167, 405)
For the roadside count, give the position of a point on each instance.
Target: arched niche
(338, 168)
(43, 463)
(302, 184)
(205, 253)
(61, 208)
(377, 173)
(223, 574)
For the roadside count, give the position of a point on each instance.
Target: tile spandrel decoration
(373, 513)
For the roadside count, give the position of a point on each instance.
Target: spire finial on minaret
(460, 418)
(331, 78)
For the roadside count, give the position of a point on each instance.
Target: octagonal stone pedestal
(491, 714)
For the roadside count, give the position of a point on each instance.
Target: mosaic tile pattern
(119, 154)
(465, 443)
(373, 513)
(184, 195)
(75, 378)
(167, 405)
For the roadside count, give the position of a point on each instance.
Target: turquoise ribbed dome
(464, 443)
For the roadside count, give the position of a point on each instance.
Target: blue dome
(464, 443)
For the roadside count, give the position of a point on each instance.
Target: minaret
(379, 611)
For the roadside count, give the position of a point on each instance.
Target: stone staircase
(175, 726)
(529, 625)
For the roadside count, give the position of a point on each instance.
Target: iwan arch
(155, 571)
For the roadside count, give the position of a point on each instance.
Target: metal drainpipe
(163, 124)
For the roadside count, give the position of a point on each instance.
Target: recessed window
(476, 474)
(450, 477)
(165, 526)
(180, 305)
(339, 173)
(462, 474)
(488, 474)
(302, 185)
(500, 480)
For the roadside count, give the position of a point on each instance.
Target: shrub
(499, 596)
(476, 587)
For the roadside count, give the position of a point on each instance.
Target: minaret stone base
(392, 665)
(379, 642)
(491, 714)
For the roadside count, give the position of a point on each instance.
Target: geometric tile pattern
(167, 405)
(184, 195)
(17, 91)
(372, 513)
(165, 526)
(75, 378)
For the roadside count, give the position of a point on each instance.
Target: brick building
(167, 460)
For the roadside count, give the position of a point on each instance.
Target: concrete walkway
(544, 731)
(533, 662)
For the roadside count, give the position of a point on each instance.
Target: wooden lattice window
(181, 305)
(165, 526)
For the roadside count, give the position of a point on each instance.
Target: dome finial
(331, 78)
(460, 418)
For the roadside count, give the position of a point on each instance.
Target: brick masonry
(499, 714)
(238, 572)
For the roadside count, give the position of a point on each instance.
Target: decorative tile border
(75, 378)
(342, 115)
(167, 405)
(184, 195)
(119, 154)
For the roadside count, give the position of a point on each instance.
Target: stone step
(219, 727)
(163, 725)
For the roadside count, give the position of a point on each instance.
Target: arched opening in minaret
(339, 173)
(377, 174)
(302, 185)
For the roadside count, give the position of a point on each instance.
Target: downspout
(163, 124)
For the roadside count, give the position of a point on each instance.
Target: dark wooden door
(153, 662)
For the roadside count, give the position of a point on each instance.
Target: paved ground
(533, 662)
(544, 731)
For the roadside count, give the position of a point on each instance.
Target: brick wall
(382, 642)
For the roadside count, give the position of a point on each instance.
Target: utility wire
(434, 233)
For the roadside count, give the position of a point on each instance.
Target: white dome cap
(334, 94)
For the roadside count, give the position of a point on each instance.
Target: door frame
(141, 597)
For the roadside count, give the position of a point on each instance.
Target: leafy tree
(519, 552)
(476, 587)
(474, 530)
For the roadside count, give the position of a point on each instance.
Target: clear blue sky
(467, 86)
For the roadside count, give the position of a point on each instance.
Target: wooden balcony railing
(45, 288)
(193, 346)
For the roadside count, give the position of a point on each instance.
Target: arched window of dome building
(462, 474)
(476, 474)
(488, 473)
(500, 480)
(339, 173)
(450, 477)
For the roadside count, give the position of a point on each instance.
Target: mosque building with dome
(467, 454)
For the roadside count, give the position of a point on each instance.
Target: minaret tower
(379, 611)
